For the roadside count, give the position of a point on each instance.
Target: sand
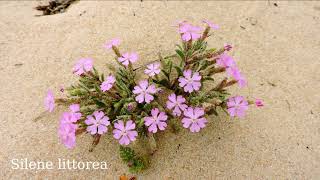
(277, 48)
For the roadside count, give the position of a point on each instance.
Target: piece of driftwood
(54, 7)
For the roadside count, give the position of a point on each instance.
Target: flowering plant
(173, 95)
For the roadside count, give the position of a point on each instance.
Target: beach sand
(276, 47)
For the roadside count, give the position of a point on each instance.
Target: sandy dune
(277, 48)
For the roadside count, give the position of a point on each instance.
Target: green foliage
(124, 81)
(134, 162)
(197, 99)
(167, 67)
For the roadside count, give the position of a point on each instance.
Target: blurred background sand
(277, 48)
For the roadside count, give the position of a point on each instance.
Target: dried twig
(54, 7)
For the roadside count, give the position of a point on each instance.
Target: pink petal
(155, 112)
(148, 98)
(186, 36)
(148, 121)
(133, 57)
(181, 99)
(151, 89)
(242, 83)
(90, 120)
(153, 128)
(231, 102)
(132, 135)
(240, 113)
(119, 125)
(116, 133)
(124, 140)
(162, 125)
(140, 98)
(232, 111)
(172, 97)
(177, 111)
(187, 74)
(130, 125)
(183, 107)
(102, 129)
(238, 99)
(194, 127)
(195, 36)
(98, 115)
(170, 105)
(74, 108)
(198, 112)
(188, 88)
(92, 129)
(196, 76)
(105, 121)
(144, 84)
(189, 112)
(182, 81)
(202, 122)
(186, 122)
(162, 116)
(137, 90)
(111, 79)
(196, 85)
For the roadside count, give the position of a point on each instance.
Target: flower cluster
(172, 91)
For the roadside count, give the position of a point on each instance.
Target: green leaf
(99, 103)
(180, 48)
(165, 73)
(181, 54)
(126, 153)
(179, 70)
(102, 77)
(208, 78)
(147, 107)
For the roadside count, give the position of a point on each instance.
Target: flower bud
(259, 103)
(131, 106)
(227, 47)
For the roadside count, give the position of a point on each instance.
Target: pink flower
(113, 42)
(125, 133)
(49, 101)
(194, 119)
(127, 58)
(190, 82)
(189, 32)
(75, 112)
(69, 118)
(259, 103)
(157, 119)
(67, 130)
(108, 83)
(211, 25)
(237, 106)
(97, 123)
(177, 104)
(82, 66)
(144, 92)
(152, 69)
(74, 108)
(225, 61)
(235, 73)
(67, 134)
